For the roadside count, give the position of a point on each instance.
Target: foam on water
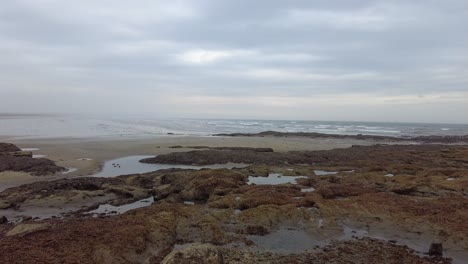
(93, 126)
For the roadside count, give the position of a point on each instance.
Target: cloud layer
(340, 60)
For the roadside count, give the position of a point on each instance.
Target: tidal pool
(114, 210)
(132, 165)
(286, 240)
(273, 179)
(311, 189)
(69, 170)
(322, 172)
(29, 149)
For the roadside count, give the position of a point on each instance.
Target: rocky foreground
(378, 204)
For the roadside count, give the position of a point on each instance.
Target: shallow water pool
(114, 210)
(273, 179)
(132, 165)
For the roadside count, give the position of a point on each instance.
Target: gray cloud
(237, 58)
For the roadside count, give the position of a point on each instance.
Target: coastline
(88, 155)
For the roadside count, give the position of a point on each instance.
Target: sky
(403, 61)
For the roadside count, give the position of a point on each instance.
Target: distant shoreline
(423, 139)
(18, 115)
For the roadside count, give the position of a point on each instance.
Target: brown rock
(28, 164)
(195, 254)
(24, 229)
(7, 147)
(256, 230)
(436, 248)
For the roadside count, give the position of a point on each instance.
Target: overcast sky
(317, 60)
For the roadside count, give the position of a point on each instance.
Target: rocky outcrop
(36, 167)
(206, 157)
(225, 148)
(436, 249)
(195, 254)
(7, 147)
(397, 158)
(425, 139)
(13, 159)
(425, 198)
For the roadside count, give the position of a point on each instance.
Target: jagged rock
(13, 159)
(425, 139)
(24, 229)
(195, 254)
(8, 147)
(436, 248)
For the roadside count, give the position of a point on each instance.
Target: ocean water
(28, 126)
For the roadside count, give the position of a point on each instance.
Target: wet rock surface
(7, 147)
(13, 159)
(355, 214)
(194, 254)
(424, 139)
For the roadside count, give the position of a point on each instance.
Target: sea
(80, 126)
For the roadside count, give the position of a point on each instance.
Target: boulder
(436, 248)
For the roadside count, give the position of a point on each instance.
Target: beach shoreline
(87, 155)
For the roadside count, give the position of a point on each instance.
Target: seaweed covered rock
(194, 254)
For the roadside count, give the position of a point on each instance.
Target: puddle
(286, 241)
(322, 172)
(87, 159)
(34, 214)
(274, 179)
(189, 203)
(450, 179)
(39, 156)
(311, 189)
(132, 165)
(389, 175)
(69, 170)
(419, 243)
(30, 149)
(108, 209)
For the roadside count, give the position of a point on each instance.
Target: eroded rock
(195, 254)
